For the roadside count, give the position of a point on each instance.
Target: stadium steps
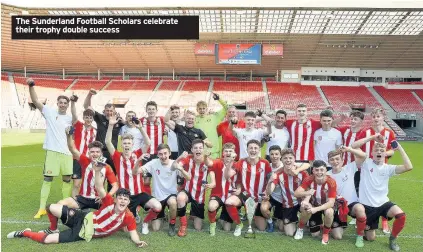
(71, 85)
(14, 90)
(177, 93)
(107, 84)
(209, 92)
(266, 96)
(417, 97)
(324, 98)
(382, 101)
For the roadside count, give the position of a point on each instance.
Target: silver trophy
(250, 208)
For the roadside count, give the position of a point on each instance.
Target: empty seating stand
(125, 85)
(49, 83)
(87, 84)
(401, 100)
(288, 95)
(249, 92)
(191, 92)
(340, 97)
(165, 92)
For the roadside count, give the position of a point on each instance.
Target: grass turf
(21, 183)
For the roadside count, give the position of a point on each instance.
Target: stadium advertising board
(238, 54)
(204, 49)
(272, 50)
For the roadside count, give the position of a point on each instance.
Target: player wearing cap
(197, 166)
(208, 123)
(319, 193)
(286, 178)
(112, 216)
(58, 159)
(347, 201)
(221, 188)
(252, 174)
(124, 163)
(374, 181)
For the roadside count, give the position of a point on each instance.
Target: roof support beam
(327, 22)
(364, 21)
(257, 21)
(399, 23)
(292, 21)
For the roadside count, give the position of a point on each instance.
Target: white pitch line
(193, 230)
(410, 180)
(23, 166)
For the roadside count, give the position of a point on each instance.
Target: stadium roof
(342, 37)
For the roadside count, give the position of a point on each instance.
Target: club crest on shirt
(319, 138)
(371, 170)
(260, 170)
(195, 135)
(345, 178)
(204, 168)
(298, 180)
(158, 171)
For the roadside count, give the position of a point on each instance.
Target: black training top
(102, 125)
(185, 137)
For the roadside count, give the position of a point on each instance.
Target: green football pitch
(21, 177)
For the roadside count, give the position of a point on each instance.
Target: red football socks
(361, 225)
(151, 216)
(326, 230)
(301, 224)
(184, 221)
(38, 237)
(398, 224)
(212, 216)
(53, 221)
(233, 213)
(172, 221)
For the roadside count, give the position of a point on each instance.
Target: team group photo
(217, 144)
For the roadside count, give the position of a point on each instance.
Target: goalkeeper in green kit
(208, 123)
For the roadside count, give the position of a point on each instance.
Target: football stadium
(306, 81)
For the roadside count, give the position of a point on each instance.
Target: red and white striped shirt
(253, 177)
(198, 174)
(322, 192)
(388, 137)
(155, 131)
(302, 136)
(87, 188)
(124, 166)
(222, 185)
(348, 137)
(107, 222)
(83, 137)
(288, 185)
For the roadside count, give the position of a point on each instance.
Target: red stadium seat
(50, 83)
(249, 92)
(132, 85)
(401, 100)
(340, 97)
(88, 84)
(419, 93)
(288, 95)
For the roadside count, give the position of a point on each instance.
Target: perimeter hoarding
(238, 54)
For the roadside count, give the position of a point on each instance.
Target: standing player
(186, 134)
(125, 162)
(344, 177)
(209, 122)
(349, 135)
(386, 136)
(226, 134)
(326, 138)
(155, 128)
(84, 134)
(112, 216)
(172, 140)
(164, 186)
(319, 193)
(252, 174)
(221, 188)
(375, 174)
(286, 178)
(249, 132)
(58, 158)
(133, 127)
(197, 166)
(279, 135)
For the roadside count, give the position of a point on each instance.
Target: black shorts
(174, 155)
(74, 219)
(138, 200)
(224, 215)
(290, 215)
(197, 209)
(316, 221)
(86, 203)
(164, 204)
(373, 214)
(343, 224)
(277, 213)
(76, 170)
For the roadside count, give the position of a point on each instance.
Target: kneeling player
(344, 177)
(287, 179)
(373, 188)
(197, 166)
(221, 188)
(112, 216)
(124, 163)
(319, 199)
(164, 186)
(88, 196)
(252, 175)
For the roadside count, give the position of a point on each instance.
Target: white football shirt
(136, 133)
(278, 137)
(326, 141)
(244, 136)
(56, 124)
(345, 182)
(164, 179)
(172, 140)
